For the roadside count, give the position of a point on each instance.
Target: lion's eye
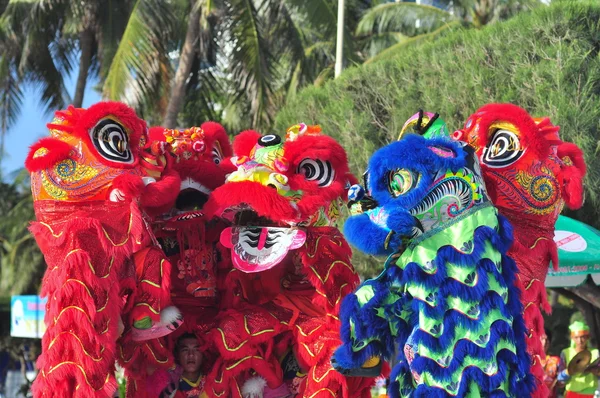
(317, 170)
(111, 140)
(216, 155)
(400, 181)
(503, 150)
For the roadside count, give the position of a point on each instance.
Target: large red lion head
(280, 188)
(86, 154)
(527, 168)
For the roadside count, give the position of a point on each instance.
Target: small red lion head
(279, 188)
(201, 158)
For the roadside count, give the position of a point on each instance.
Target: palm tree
(43, 41)
(234, 57)
(389, 26)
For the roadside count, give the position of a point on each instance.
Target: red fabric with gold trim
(291, 264)
(87, 178)
(86, 253)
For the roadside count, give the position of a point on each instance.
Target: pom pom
(254, 387)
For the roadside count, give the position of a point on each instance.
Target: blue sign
(27, 316)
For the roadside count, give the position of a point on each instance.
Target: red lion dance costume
(530, 175)
(187, 238)
(200, 158)
(291, 267)
(102, 266)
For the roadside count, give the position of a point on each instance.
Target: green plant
(545, 61)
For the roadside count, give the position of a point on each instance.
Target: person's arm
(563, 374)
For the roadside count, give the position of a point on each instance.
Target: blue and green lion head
(413, 188)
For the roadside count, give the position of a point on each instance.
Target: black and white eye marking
(269, 140)
(216, 154)
(111, 141)
(317, 170)
(503, 150)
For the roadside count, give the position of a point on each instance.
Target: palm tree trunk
(183, 69)
(86, 41)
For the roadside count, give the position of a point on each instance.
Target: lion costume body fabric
(291, 268)
(530, 175)
(190, 241)
(447, 296)
(87, 181)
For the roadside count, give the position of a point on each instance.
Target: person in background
(550, 364)
(582, 385)
(190, 383)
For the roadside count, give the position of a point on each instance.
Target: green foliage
(558, 324)
(21, 262)
(545, 61)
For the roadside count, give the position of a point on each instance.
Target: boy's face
(189, 355)
(581, 342)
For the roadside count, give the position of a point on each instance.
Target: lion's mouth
(258, 243)
(192, 196)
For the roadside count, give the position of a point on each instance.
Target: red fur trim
(490, 113)
(316, 147)
(130, 185)
(572, 176)
(244, 142)
(156, 133)
(159, 197)
(57, 151)
(265, 201)
(216, 132)
(80, 121)
(204, 171)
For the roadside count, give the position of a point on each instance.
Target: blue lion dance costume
(447, 297)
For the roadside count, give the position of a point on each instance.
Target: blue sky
(31, 124)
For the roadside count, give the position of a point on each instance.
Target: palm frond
(113, 17)
(252, 63)
(388, 52)
(11, 97)
(39, 68)
(322, 14)
(137, 60)
(376, 43)
(21, 262)
(401, 17)
(205, 95)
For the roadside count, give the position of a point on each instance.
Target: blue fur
(359, 227)
(419, 159)
(391, 296)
